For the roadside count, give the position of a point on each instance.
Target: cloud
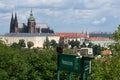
(96, 3)
(78, 12)
(38, 3)
(50, 12)
(4, 16)
(96, 22)
(1, 5)
(101, 21)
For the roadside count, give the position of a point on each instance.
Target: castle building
(30, 27)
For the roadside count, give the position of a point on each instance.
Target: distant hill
(100, 34)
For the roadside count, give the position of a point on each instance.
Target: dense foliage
(26, 64)
(33, 64)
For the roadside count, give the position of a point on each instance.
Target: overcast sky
(64, 15)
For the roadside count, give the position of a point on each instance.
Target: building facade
(102, 41)
(30, 27)
(82, 37)
(37, 38)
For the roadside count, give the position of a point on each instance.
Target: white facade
(102, 43)
(81, 40)
(37, 40)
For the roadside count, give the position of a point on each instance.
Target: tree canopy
(30, 44)
(116, 35)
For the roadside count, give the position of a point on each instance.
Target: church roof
(31, 18)
(41, 25)
(27, 34)
(71, 35)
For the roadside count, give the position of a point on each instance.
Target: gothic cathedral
(30, 27)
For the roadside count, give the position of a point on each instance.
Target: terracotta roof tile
(106, 52)
(70, 35)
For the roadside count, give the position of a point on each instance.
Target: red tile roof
(98, 39)
(106, 52)
(70, 35)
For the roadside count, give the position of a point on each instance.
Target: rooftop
(28, 34)
(98, 39)
(106, 52)
(71, 35)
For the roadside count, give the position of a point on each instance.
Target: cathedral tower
(14, 24)
(11, 24)
(31, 24)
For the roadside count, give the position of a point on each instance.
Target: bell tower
(31, 23)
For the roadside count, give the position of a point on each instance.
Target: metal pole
(58, 74)
(83, 75)
(90, 66)
(70, 76)
(58, 71)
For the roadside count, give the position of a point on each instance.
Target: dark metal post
(83, 74)
(58, 75)
(70, 76)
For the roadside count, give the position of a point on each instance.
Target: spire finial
(31, 12)
(15, 16)
(12, 15)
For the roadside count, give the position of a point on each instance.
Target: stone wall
(37, 40)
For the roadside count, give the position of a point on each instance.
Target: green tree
(30, 44)
(61, 42)
(22, 43)
(75, 43)
(30, 64)
(72, 43)
(83, 45)
(96, 50)
(116, 35)
(90, 45)
(106, 68)
(15, 45)
(53, 43)
(46, 43)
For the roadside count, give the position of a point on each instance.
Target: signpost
(69, 62)
(72, 63)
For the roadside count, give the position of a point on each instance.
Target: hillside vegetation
(32, 64)
(18, 63)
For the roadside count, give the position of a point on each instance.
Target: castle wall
(37, 40)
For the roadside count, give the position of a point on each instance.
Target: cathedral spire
(15, 24)
(16, 17)
(31, 18)
(31, 14)
(11, 23)
(12, 16)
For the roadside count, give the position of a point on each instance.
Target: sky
(64, 15)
